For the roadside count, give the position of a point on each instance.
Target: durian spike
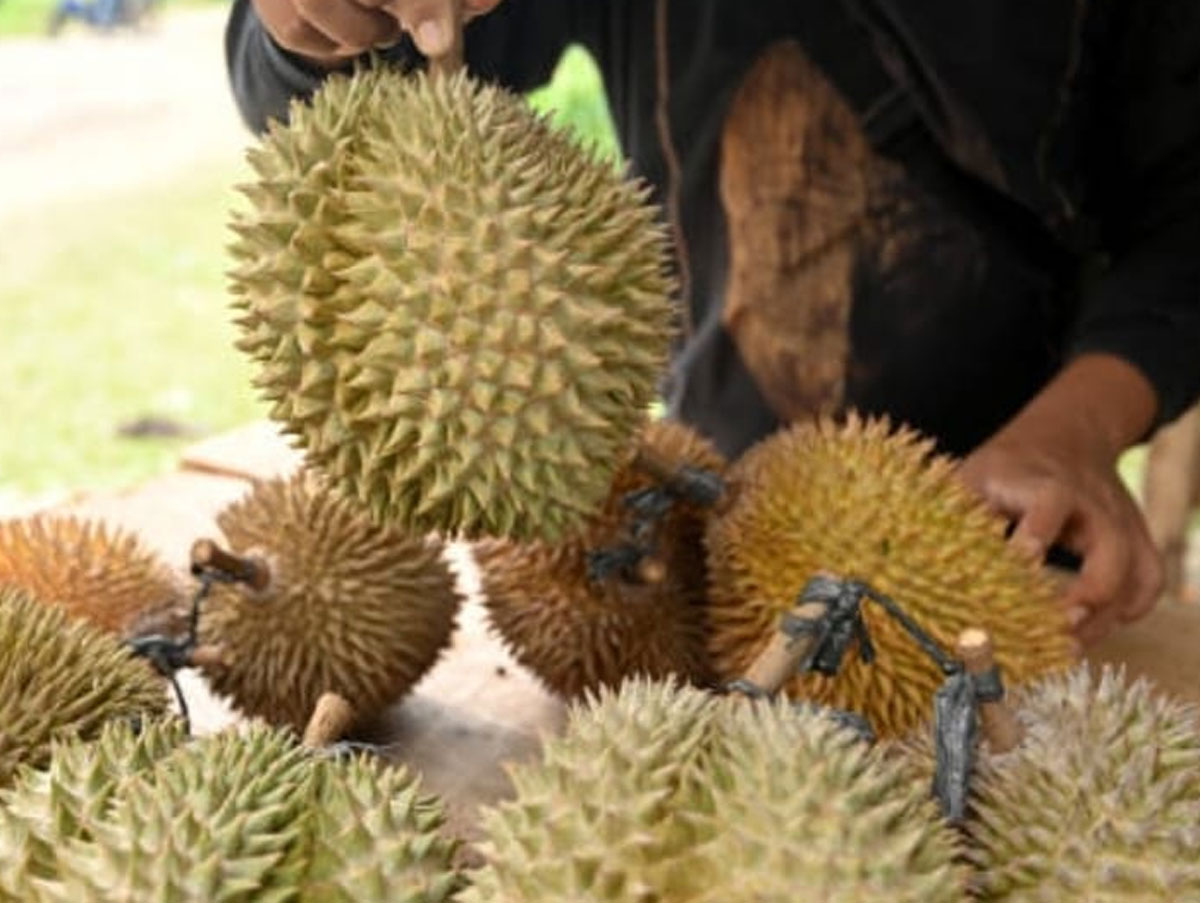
(252, 571)
(997, 720)
(785, 651)
(332, 717)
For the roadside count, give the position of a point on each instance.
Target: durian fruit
(228, 817)
(67, 798)
(861, 500)
(578, 633)
(376, 837)
(100, 573)
(351, 607)
(61, 678)
(459, 313)
(664, 793)
(1101, 802)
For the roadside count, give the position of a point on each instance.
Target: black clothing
(1031, 191)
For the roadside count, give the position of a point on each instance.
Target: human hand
(329, 32)
(1053, 470)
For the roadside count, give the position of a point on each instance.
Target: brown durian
(579, 634)
(666, 793)
(1100, 802)
(862, 501)
(351, 607)
(459, 313)
(100, 573)
(62, 678)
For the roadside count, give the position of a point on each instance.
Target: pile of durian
(655, 791)
(462, 317)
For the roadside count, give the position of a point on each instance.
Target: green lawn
(114, 308)
(121, 314)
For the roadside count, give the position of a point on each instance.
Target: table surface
(476, 709)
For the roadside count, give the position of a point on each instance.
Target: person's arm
(1135, 356)
(516, 43)
(1053, 470)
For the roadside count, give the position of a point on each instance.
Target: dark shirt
(1050, 152)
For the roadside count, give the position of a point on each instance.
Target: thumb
(433, 24)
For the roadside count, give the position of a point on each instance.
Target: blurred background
(120, 150)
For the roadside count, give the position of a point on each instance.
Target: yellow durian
(863, 501)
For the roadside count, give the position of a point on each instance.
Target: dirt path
(89, 112)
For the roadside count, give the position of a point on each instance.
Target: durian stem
(207, 656)
(698, 487)
(331, 718)
(784, 653)
(997, 720)
(651, 571)
(251, 571)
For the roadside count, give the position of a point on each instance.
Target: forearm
(1098, 404)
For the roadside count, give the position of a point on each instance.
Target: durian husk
(578, 634)
(247, 816)
(662, 792)
(62, 678)
(459, 313)
(65, 800)
(94, 571)
(352, 607)
(1100, 802)
(861, 500)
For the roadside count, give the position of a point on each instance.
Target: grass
(120, 315)
(114, 308)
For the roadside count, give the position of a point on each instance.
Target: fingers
(291, 31)
(1148, 578)
(327, 31)
(433, 24)
(1122, 574)
(1102, 581)
(352, 26)
(1043, 521)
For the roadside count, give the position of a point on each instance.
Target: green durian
(861, 500)
(102, 574)
(1100, 802)
(658, 792)
(376, 837)
(577, 633)
(229, 817)
(67, 798)
(459, 313)
(352, 607)
(61, 678)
